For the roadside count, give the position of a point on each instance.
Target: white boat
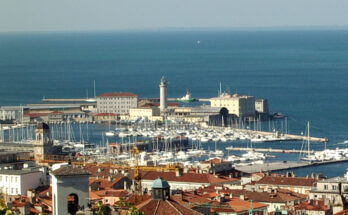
(109, 133)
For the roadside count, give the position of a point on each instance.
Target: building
(70, 192)
(43, 145)
(261, 106)
(241, 106)
(295, 184)
(215, 116)
(184, 181)
(161, 201)
(117, 103)
(17, 182)
(143, 113)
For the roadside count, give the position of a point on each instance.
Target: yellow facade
(235, 104)
(143, 112)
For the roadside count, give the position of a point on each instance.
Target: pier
(278, 166)
(268, 150)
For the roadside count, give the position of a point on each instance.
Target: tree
(4, 210)
(135, 211)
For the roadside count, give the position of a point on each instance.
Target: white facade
(163, 94)
(17, 182)
(118, 103)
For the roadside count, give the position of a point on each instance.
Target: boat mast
(308, 140)
(94, 88)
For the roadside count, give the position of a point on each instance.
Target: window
(326, 187)
(17, 191)
(334, 187)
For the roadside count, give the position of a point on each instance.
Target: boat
(186, 98)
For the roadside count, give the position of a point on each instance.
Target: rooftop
(70, 170)
(118, 94)
(291, 181)
(17, 172)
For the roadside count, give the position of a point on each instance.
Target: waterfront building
(261, 106)
(163, 94)
(215, 116)
(117, 103)
(239, 105)
(143, 112)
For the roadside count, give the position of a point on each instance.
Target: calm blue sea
(302, 73)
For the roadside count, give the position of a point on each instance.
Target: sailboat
(110, 133)
(310, 157)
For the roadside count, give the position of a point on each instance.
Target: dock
(278, 166)
(268, 150)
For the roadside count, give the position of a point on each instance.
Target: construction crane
(137, 172)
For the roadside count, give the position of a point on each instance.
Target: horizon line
(187, 29)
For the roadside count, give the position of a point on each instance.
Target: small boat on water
(186, 98)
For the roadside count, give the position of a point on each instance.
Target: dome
(160, 183)
(42, 125)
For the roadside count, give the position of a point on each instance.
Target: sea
(303, 73)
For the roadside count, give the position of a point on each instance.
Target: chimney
(125, 185)
(242, 197)
(178, 172)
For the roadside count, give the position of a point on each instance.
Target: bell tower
(43, 143)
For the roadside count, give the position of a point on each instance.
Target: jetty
(268, 150)
(279, 165)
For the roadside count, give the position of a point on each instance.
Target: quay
(285, 137)
(268, 150)
(279, 165)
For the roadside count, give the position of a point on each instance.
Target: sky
(96, 15)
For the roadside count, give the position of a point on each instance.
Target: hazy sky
(76, 15)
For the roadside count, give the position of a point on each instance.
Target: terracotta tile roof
(165, 207)
(315, 205)
(118, 94)
(186, 177)
(93, 196)
(105, 114)
(216, 161)
(281, 196)
(36, 114)
(111, 193)
(239, 205)
(296, 181)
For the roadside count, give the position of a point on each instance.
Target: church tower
(163, 94)
(43, 143)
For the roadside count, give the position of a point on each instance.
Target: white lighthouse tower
(163, 95)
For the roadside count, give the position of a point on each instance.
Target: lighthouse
(163, 94)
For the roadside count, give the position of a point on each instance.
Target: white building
(17, 182)
(118, 103)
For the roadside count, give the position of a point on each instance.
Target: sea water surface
(303, 74)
